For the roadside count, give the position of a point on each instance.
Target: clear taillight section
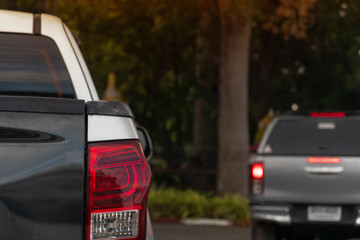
(256, 178)
(114, 225)
(118, 183)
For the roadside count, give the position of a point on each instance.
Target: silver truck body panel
(106, 128)
(20, 22)
(83, 65)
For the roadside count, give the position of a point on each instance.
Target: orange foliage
(291, 18)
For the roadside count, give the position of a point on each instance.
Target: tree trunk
(233, 97)
(205, 123)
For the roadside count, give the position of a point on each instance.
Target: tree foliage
(319, 72)
(150, 46)
(291, 18)
(302, 51)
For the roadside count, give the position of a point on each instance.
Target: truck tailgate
(295, 179)
(42, 143)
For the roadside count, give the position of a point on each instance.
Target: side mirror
(145, 142)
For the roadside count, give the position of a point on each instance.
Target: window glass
(32, 66)
(315, 136)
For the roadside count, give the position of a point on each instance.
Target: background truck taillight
(118, 183)
(256, 178)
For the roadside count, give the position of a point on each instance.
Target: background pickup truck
(71, 166)
(304, 178)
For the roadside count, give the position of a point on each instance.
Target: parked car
(71, 166)
(304, 179)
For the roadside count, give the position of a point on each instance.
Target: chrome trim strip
(277, 214)
(324, 170)
(271, 209)
(107, 128)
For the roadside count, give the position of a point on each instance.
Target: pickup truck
(71, 166)
(305, 178)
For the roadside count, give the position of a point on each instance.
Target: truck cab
(72, 166)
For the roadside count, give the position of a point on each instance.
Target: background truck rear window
(315, 136)
(32, 66)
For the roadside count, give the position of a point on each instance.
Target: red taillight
(118, 184)
(327, 114)
(257, 171)
(257, 178)
(324, 160)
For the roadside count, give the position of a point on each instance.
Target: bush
(172, 203)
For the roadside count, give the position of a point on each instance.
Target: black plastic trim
(37, 24)
(76, 37)
(41, 105)
(109, 108)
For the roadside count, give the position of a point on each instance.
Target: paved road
(164, 231)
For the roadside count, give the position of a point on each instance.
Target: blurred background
(206, 77)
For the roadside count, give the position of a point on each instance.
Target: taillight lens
(257, 171)
(118, 184)
(327, 114)
(257, 178)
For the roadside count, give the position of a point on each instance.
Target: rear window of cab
(32, 66)
(314, 136)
